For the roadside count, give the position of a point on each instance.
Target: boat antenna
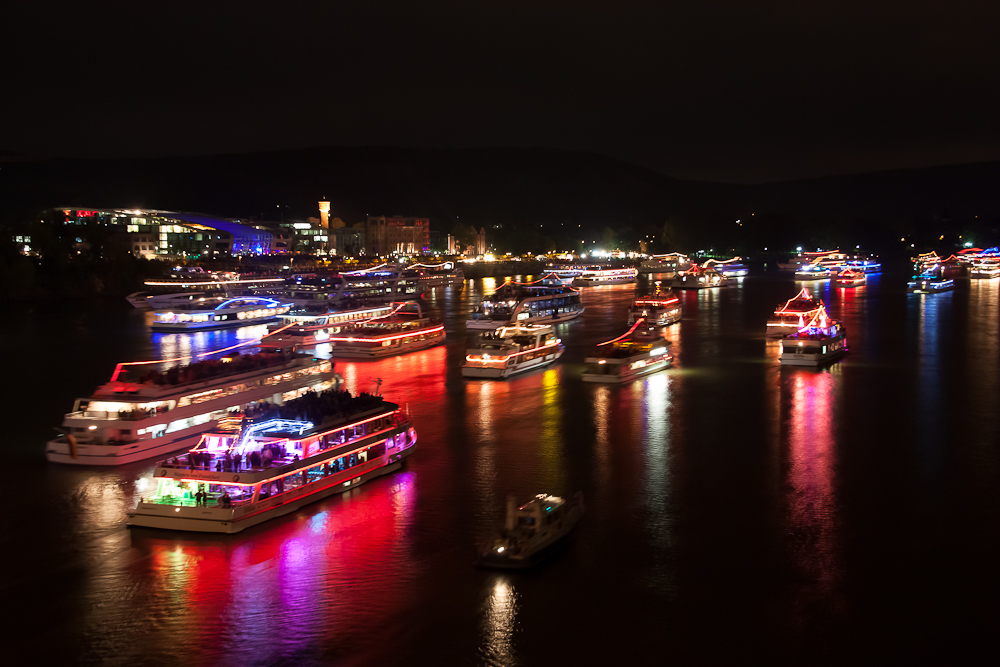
(378, 385)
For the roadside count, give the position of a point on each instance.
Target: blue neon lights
(270, 303)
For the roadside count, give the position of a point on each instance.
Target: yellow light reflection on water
(551, 439)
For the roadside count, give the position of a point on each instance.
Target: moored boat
(631, 355)
(304, 331)
(793, 314)
(820, 341)
(511, 350)
(138, 415)
(731, 268)
(277, 463)
(815, 272)
(404, 329)
(532, 531)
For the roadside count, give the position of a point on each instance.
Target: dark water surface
(737, 510)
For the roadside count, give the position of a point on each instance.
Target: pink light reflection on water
(811, 475)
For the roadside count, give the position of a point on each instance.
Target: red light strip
(803, 294)
(120, 367)
(624, 335)
(657, 303)
(415, 332)
(511, 356)
(154, 283)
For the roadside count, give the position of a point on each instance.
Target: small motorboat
(532, 531)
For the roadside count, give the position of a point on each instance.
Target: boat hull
(627, 377)
(116, 455)
(382, 352)
(811, 359)
(163, 327)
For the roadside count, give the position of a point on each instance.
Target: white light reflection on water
(499, 624)
(654, 396)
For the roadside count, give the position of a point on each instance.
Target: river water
(737, 510)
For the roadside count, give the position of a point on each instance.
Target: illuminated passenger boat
(555, 276)
(511, 350)
(627, 357)
(530, 303)
(793, 314)
(404, 329)
(659, 309)
(430, 276)
(851, 278)
(598, 275)
(930, 281)
(863, 264)
(273, 466)
(532, 531)
(219, 313)
(311, 330)
(669, 263)
(699, 277)
(154, 413)
(815, 272)
(819, 341)
(731, 268)
(985, 266)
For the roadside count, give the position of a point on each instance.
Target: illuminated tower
(324, 214)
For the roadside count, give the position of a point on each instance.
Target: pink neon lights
(624, 335)
(655, 302)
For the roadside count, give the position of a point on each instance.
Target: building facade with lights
(397, 235)
(153, 233)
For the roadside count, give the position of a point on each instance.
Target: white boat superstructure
(160, 412)
(429, 276)
(403, 329)
(669, 263)
(851, 278)
(559, 277)
(821, 340)
(274, 465)
(511, 350)
(602, 275)
(731, 268)
(219, 313)
(526, 304)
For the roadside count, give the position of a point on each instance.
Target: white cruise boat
(793, 314)
(851, 277)
(403, 329)
(659, 309)
(602, 275)
(511, 350)
(532, 531)
(985, 267)
(304, 331)
(183, 286)
(159, 412)
(559, 277)
(630, 356)
(275, 465)
(815, 272)
(699, 277)
(821, 340)
(830, 258)
(219, 313)
(730, 268)
(670, 263)
(515, 303)
(429, 276)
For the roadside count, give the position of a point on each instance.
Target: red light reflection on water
(326, 576)
(811, 447)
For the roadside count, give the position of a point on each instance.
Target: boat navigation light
(499, 550)
(656, 351)
(602, 361)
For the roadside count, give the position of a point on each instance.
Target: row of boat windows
(212, 394)
(176, 492)
(345, 435)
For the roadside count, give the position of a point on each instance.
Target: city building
(397, 235)
(153, 233)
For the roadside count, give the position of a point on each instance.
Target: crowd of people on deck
(202, 370)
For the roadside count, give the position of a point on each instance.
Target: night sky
(730, 90)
